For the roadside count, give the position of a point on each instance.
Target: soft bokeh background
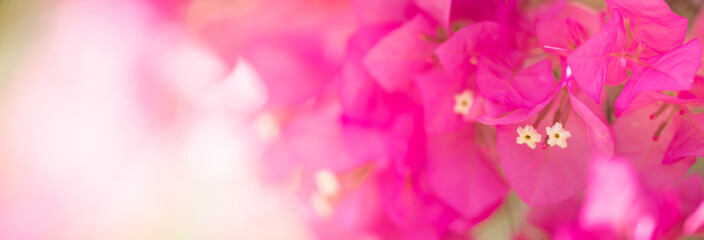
(118, 124)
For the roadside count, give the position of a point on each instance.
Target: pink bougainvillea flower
(513, 93)
(546, 175)
(487, 52)
(578, 133)
(381, 124)
(632, 42)
(445, 91)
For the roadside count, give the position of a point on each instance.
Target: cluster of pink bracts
(414, 119)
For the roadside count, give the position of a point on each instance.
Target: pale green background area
(507, 221)
(18, 30)
(698, 167)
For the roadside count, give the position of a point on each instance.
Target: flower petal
(688, 140)
(600, 138)
(401, 54)
(437, 91)
(545, 176)
(672, 71)
(654, 23)
(589, 62)
(461, 177)
(496, 80)
(458, 53)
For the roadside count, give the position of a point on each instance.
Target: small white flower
(321, 205)
(327, 183)
(527, 135)
(557, 135)
(463, 102)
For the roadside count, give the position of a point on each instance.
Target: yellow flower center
(463, 102)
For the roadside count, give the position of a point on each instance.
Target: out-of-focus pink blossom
(616, 202)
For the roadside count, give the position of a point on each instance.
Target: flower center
(463, 102)
(558, 135)
(327, 189)
(528, 135)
